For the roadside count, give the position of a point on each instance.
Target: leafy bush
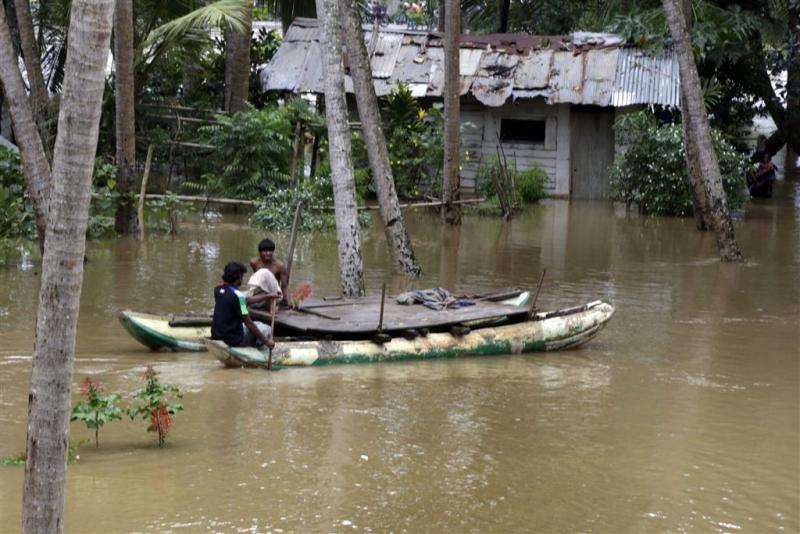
(153, 404)
(97, 408)
(16, 211)
(652, 172)
(414, 138)
(530, 184)
(276, 211)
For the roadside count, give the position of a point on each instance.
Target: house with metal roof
(550, 101)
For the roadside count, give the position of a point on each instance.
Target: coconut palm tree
(62, 266)
(698, 136)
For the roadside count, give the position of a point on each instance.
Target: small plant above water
(153, 403)
(97, 408)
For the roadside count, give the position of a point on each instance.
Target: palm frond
(224, 14)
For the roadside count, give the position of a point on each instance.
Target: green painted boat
(561, 329)
(186, 334)
(154, 331)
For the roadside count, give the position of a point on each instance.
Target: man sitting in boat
(232, 322)
(262, 288)
(266, 260)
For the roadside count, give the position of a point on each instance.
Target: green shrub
(652, 172)
(16, 211)
(530, 184)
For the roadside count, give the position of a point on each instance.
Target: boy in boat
(232, 322)
(266, 260)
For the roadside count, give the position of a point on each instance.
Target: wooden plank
(361, 318)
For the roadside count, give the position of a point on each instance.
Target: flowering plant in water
(97, 408)
(153, 404)
(300, 293)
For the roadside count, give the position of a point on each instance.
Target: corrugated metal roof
(589, 69)
(642, 78)
(385, 55)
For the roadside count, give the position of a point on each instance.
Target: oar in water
(380, 337)
(271, 334)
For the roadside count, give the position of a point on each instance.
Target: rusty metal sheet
(385, 56)
(566, 78)
(600, 68)
(302, 32)
(495, 80)
(469, 60)
(533, 71)
(413, 66)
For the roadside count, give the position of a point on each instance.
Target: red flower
(302, 292)
(88, 388)
(161, 420)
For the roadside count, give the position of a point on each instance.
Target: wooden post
(145, 177)
(292, 243)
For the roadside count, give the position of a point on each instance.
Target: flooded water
(682, 415)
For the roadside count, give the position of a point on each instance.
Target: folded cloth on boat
(263, 280)
(435, 298)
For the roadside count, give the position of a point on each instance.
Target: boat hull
(154, 332)
(561, 330)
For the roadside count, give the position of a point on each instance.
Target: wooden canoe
(556, 330)
(186, 334)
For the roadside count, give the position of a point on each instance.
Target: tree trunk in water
(361, 72)
(237, 65)
(451, 213)
(62, 266)
(502, 16)
(33, 63)
(125, 220)
(699, 134)
(792, 123)
(35, 166)
(344, 187)
(699, 202)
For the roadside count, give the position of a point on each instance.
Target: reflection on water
(682, 415)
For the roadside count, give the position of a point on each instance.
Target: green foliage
(276, 211)
(253, 151)
(153, 403)
(16, 459)
(16, 211)
(97, 408)
(530, 184)
(414, 138)
(652, 172)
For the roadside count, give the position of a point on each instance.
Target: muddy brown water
(682, 415)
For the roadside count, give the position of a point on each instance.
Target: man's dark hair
(266, 244)
(234, 271)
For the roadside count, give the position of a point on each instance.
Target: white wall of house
(483, 128)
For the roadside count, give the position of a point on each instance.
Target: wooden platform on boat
(361, 316)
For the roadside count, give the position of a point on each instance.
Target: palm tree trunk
(35, 165)
(33, 63)
(126, 220)
(502, 16)
(792, 124)
(451, 213)
(62, 266)
(344, 187)
(237, 64)
(361, 72)
(699, 134)
(699, 203)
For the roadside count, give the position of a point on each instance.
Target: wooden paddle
(532, 308)
(271, 334)
(380, 337)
